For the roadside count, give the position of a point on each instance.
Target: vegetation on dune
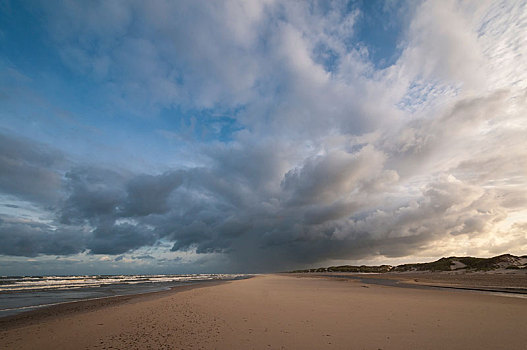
(349, 268)
(469, 263)
(442, 264)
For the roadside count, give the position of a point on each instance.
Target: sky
(255, 136)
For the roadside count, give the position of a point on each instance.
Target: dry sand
(283, 312)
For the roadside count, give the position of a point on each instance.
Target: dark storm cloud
(29, 170)
(325, 208)
(148, 194)
(84, 195)
(101, 194)
(32, 239)
(118, 239)
(94, 194)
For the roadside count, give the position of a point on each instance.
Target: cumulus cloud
(337, 159)
(324, 179)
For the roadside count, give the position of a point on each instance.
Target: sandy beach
(280, 312)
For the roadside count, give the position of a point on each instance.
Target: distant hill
(453, 263)
(350, 268)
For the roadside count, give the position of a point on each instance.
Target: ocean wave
(33, 283)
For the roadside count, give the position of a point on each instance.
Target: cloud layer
(333, 159)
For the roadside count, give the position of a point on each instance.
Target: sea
(24, 293)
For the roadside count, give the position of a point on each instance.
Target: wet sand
(508, 282)
(283, 312)
(509, 279)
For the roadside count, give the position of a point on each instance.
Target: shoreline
(41, 313)
(45, 312)
(280, 312)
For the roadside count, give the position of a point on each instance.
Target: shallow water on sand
(515, 293)
(24, 293)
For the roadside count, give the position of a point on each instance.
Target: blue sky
(70, 101)
(256, 136)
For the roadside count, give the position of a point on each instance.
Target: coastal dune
(283, 312)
